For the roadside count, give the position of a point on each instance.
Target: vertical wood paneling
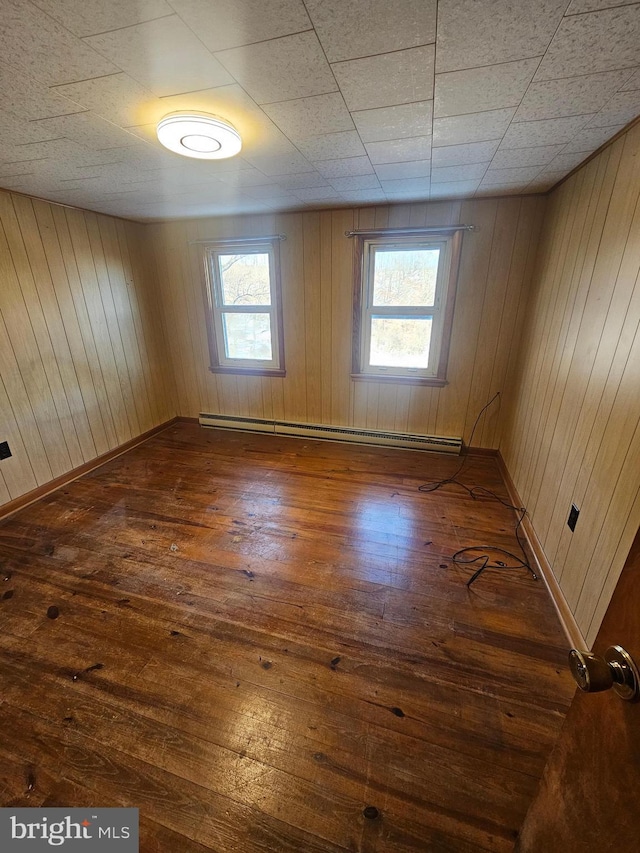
(572, 434)
(317, 284)
(75, 356)
(312, 315)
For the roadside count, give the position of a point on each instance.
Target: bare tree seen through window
(403, 278)
(245, 281)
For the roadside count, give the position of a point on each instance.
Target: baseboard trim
(53, 485)
(567, 619)
(478, 451)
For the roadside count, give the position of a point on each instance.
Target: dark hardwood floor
(251, 638)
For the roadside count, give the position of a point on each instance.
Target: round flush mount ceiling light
(199, 135)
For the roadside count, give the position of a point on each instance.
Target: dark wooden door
(588, 797)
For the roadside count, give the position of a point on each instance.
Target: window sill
(400, 380)
(248, 371)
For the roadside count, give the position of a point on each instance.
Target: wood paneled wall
(317, 262)
(82, 366)
(572, 434)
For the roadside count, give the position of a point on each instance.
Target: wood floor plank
(251, 638)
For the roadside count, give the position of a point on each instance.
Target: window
(245, 319)
(405, 291)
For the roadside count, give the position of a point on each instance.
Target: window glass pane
(400, 342)
(405, 276)
(247, 336)
(245, 279)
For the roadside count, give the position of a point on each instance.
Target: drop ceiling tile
(115, 97)
(87, 17)
(137, 155)
(223, 24)
(404, 197)
(281, 164)
(315, 203)
(364, 197)
(314, 193)
(577, 7)
(399, 185)
(552, 131)
(384, 123)
(473, 152)
(86, 129)
(16, 155)
(345, 167)
(27, 98)
(281, 69)
(399, 150)
(499, 189)
(550, 178)
(247, 178)
(632, 83)
(332, 146)
(569, 96)
(537, 155)
(32, 41)
(407, 185)
(448, 174)
(195, 173)
(268, 191)
(369, 27)
(16, 182)
(19, 131)
(566, 162)
(397, 171)
(361, 197)
(622, 108)
(477, 127)
(471, 35)
(511, 176)
(355, 182)
(61, 154)
(314, 116)
(388, 79)
(600, 41)
(163, 55)
(15, 170)
(452, 189)
(35, 185)
(539, 186)
(476, 89)
(590, 138)
(148, 158)
(301, 181)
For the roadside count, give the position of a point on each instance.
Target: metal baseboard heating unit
(440, 444)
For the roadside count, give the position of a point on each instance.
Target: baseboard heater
(440, 444)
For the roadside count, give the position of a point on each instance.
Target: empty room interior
(320, 424)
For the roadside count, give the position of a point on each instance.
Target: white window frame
(441, 311)
(220, 361)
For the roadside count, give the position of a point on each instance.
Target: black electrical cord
(438, 484)
(475, 492)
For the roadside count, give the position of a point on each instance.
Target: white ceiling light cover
(199, 135)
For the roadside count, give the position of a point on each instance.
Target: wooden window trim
(439, 379)
(208, 291)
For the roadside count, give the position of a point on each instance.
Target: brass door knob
(616, 669)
